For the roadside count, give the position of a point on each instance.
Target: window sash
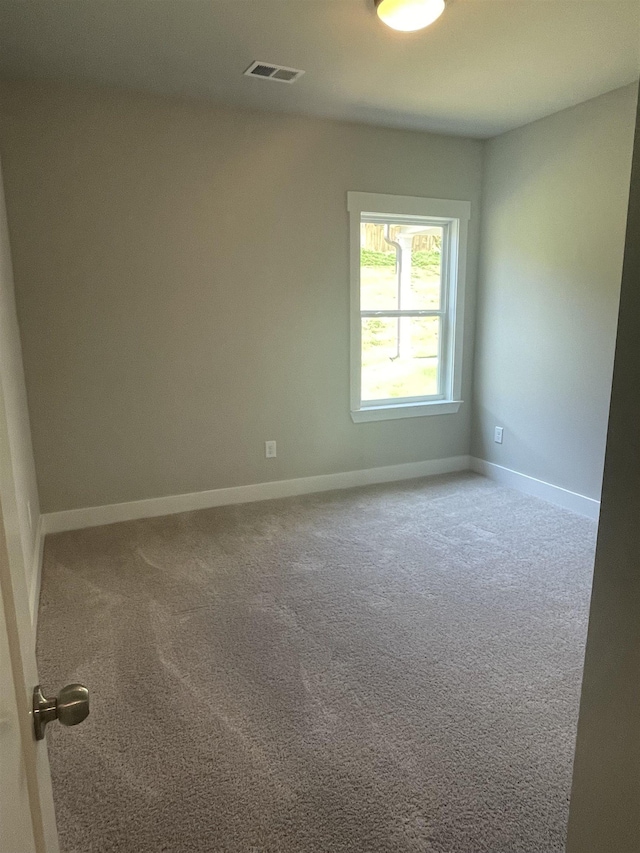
(399, 219)
(400, 401)
(445, 251)
(410, 312)
(393, 315)
(442, 372)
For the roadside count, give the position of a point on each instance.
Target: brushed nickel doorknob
(70, 707)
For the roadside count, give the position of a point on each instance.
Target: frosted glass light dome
(409, 15)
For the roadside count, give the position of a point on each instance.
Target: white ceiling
(484, 67)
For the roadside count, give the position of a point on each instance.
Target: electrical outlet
(270, 449)
(497, 435)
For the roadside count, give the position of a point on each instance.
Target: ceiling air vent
(269, 71)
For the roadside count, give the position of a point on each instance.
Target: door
(27, 821)
(605, 813)
(16, 828)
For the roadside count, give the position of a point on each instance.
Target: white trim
(538, 488)
(36, 574)
(407, 205)
(405, 410)
(76, 519)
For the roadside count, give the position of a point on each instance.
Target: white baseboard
(36, 574)
(76, 519)
(537, 488)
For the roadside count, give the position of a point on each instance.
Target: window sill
(405, 410)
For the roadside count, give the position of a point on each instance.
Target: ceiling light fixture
(409, 15)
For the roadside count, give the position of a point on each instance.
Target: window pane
(378, 270)
(426, 269)
(399, 357)
(400, 267)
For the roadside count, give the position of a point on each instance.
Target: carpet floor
(381, 670)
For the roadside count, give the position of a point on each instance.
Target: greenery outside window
(407, 296)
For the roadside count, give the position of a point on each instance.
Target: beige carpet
(380, 670)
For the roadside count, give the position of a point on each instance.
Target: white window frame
(454, 217)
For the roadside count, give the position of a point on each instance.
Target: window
(407, 297)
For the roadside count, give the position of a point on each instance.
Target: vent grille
(269, 71)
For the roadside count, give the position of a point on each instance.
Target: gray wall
(16, 463)
(182, 285)
(554, 209)
(605, 802)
